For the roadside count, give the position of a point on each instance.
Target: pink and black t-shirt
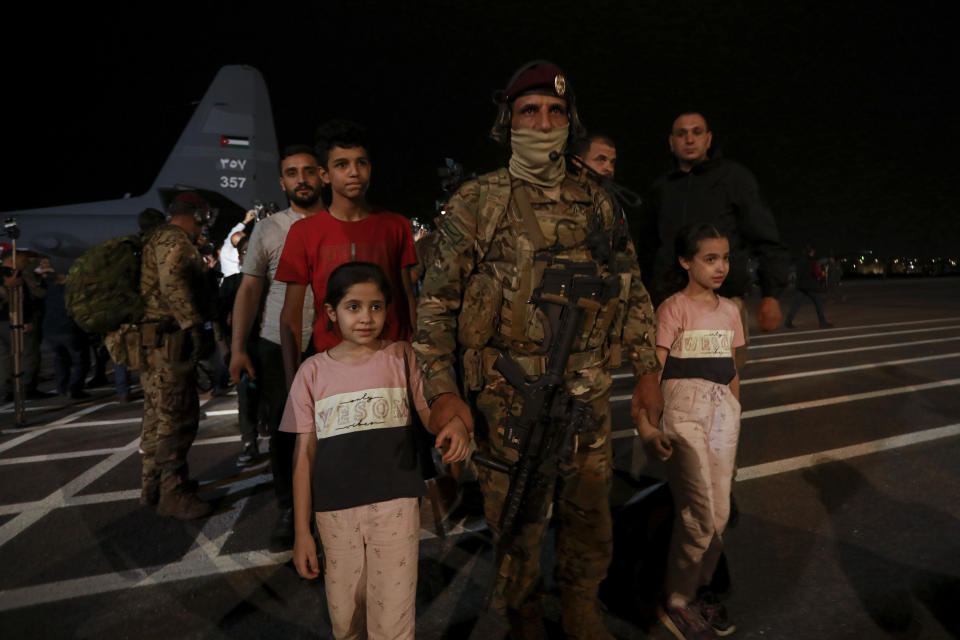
(701, 341)
(362, 417)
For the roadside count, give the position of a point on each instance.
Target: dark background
(843, 110)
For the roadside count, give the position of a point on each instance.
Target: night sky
(841, 109)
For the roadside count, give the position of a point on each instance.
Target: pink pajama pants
(702, 421)
(371, 569)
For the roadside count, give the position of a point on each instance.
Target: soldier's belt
(536, 366)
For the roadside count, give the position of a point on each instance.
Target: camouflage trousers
(580, 498)
(171, 416)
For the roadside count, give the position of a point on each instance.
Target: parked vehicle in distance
(863, 263)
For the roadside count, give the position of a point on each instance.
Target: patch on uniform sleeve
(456, 235)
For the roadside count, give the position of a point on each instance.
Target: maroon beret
(187, 203)
(539, 76)
(191, 198)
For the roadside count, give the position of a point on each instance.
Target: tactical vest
(515, 259)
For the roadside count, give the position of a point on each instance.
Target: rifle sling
(526, 213)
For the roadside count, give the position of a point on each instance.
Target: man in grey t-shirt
(260, 361)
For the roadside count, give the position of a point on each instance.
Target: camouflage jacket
(485, 243)
(171, 278)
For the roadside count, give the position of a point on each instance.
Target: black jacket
(724, 193)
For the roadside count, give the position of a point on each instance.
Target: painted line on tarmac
(770, 336)
(73, 425)
(33, 432)
(811, 404)
(53, 457)
(202, 561)
(17, 525)
(619, 376)
(232, 485)
(186, 569)
(868, 395)
(8, 408)
(856, 367)
(856, 337)
(104, 423)
(843, 453)
(853, 350)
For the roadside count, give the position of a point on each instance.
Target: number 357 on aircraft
(232, 182)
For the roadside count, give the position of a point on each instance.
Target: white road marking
(853, 350)
(203, 561)
(618, 376)
(185, 569)
(74, 425)
(57, 499)
(856, 337)
(833, 455)
(856, 367)
(795, 406)
(824, 402)
(53, 407)
(32, 432)
(767, 336)
(53, 457)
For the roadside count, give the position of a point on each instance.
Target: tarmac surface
(848, 490)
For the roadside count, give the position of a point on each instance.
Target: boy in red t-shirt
(350, 229)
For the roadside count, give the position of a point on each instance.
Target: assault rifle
(545, 432)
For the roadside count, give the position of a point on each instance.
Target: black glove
(202, 343)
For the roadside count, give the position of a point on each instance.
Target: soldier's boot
(183, 503)
(150, 492)
(150, 489)
(581, 617)
(526, 623)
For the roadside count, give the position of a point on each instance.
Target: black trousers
(271, 381)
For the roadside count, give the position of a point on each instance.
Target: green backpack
(103, 286)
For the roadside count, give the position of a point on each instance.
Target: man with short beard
(261, 359)
(598, 152)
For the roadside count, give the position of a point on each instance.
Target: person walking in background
(809, 283)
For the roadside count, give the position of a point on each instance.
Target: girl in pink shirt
(355, 464)
(697, 335)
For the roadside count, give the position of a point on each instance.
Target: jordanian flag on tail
(234, 142)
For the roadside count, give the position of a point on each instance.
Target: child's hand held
(654, 441)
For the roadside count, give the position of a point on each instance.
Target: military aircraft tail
(228, 152)
(229, 147)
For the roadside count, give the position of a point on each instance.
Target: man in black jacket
(704, 187)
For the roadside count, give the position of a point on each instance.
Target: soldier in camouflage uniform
(174, 339)
(474, 304)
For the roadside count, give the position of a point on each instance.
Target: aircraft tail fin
(228, 150)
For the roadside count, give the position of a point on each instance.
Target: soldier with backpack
(173, 340)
